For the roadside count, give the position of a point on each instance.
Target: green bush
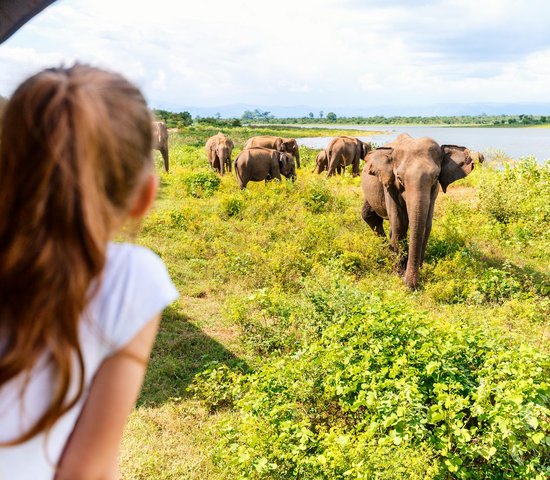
(382, 382)
(520, 193)
(231, 206)
(318, 198)
(201, 184)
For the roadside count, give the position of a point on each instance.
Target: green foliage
(218, 384)
(232, 206)
(383, 381)
(470, 120)
(174, 120)
(318, 197)
(201, 184)
(350, 374)
(520, 193)
(256, 114)
(219, 122)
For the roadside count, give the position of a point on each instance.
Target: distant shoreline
(350, 126)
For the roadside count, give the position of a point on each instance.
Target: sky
(326, 54)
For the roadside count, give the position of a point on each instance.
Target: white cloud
(323, 53)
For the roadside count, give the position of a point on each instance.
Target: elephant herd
(262, 158)
(341, 152)
(400, 181)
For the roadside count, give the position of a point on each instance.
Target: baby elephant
(257, 164)
(321, 162)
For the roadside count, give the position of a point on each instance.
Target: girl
(78, 314)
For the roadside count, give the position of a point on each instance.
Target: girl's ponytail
(75, 144)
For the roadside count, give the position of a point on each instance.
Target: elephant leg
(427, 232)
(334, 165)
(355, 168)
(398, 239)
(164, 153)
(373, 220)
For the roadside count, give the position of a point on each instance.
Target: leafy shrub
(318, 198)
(231, 206)
(383, 382)
(218, 385)
(201, 184)
(266, 321)
(521, 192)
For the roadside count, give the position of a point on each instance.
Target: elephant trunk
(417, 210)
(222, 155)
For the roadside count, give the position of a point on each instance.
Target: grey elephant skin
(288, 145)
(218, 150)
(343, 151)
(400, 182)
(321, 162)
(160, 141)
(257, 164)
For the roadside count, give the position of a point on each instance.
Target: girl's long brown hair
(74, 146)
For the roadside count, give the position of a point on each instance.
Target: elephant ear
(283, 160)
(289, 145)
(456, 164)
(379, 163)
(366, 147)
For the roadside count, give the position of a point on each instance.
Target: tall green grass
(295, 351)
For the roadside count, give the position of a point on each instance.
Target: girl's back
(78, 314)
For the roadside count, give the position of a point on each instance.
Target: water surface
(513, 142)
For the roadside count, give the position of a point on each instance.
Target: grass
(258, 270)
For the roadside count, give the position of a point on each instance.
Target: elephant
(400, 182)
(160, 141)
(343, 151)
(321, 162)
(218, 149)
(288, 145)
(257, 164)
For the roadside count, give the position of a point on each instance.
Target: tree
(174, 120)
(321, 113)
(257, 114)
(311, 115)
(331, 116)
(184, 119)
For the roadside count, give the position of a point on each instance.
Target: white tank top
(135, 286)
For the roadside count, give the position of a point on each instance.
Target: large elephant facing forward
(160, 141)
(288, 145)
(343, 151)
(400, 182)
(218, 150)
(257, 164)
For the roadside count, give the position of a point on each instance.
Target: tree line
(184, 119)
(474, 120)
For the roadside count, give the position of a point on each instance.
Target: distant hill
(450, 109)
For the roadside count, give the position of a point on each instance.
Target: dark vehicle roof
(15, 13)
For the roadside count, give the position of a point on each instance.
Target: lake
(513, 142)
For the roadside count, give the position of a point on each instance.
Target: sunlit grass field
(258, 371)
